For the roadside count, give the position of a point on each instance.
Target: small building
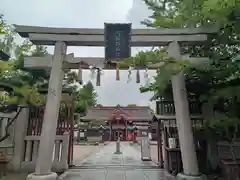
(119, 121)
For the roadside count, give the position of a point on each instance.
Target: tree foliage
(131, 105)
(217, 84)
(21, 84)
(85, 97)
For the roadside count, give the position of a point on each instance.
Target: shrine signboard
(117, 41)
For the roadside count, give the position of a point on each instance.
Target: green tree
(175, 14)
(131, 105)
(85, 97)
(17, 81)
(1, 24)
(13, 75)
(216, 86)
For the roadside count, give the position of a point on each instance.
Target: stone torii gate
(63, 37)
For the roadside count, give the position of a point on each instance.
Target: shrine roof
(141, 113)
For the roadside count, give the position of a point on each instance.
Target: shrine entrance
(120, 121)
(118, 134)
(118, 40)
(118, 125)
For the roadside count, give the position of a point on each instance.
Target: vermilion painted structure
(121, 121)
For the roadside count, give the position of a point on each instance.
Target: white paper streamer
(146, 77)
(92, 72)
(130, 74)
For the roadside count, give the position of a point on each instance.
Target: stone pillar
(118, 151)
(20, 132)
(188, 151)
(48, 134)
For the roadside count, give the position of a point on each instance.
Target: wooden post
(110, 131)
(159, 141)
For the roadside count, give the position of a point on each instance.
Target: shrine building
(119, 121)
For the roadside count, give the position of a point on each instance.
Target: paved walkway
(80, 152)
(105, 157)
(105, 165)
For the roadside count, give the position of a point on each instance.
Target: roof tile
(133, 113)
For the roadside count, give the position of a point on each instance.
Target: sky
(88, 14)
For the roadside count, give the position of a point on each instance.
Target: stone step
(114, 167)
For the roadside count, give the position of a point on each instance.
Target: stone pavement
(105, 165)
(80, 152)
(106, 157)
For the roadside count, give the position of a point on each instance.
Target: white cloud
(85, 14)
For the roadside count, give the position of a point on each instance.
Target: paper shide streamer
(95, 71)
(129, 74)
(146, 77)
(92, 72)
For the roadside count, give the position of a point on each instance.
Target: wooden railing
(60, 154)
(224, 150)
(229, 156)
(166, 107)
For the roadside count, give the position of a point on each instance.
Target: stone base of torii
(48, 36)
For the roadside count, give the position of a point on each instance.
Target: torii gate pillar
(188, 151)
(48, 135)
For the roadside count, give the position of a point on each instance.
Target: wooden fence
(25, 138)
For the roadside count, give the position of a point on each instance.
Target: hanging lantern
(129, 74)
(138, 76)
(80, 81)
(118, 74)
(98, 77)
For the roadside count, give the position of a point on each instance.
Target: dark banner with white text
(117, 41)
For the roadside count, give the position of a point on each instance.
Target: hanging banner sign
(117, 41)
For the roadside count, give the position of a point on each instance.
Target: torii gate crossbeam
(95, 37)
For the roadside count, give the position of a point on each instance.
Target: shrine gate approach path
(105, 165)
